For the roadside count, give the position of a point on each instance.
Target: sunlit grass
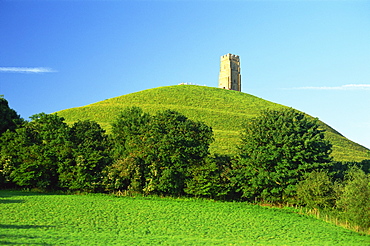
(46, 219)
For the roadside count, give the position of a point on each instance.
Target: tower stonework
(230, 77)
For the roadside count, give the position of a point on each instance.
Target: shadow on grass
(11, 193)
(23, 226)
(20, 239)
(2, 242)
(11, 201)
(13, 243)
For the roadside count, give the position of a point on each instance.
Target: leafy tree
(9, 119)
(31, 154)
(212, 179)
(316, 190)
(175, 145)
(90, 156)
(128, 130)
(156, 153)
(277, 148)
(355, 196)
(48, 154)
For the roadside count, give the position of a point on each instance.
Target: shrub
(212, 179)
(354, 199)
(316, 190)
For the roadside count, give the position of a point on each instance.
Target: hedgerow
(223, 110)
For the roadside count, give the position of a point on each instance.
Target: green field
(96, 219)
(223, 110)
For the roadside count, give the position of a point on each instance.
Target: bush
(212, 179)
(316, 190)
(354, 199)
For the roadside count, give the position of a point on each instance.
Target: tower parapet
(230, 77)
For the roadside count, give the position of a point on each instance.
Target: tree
(31, 154)
(46, 153)
(211, 179)
(277, 148)
(127, 130)
(9, 119)
(316, 190)
(156, 153)
(127, 170)
(175, 144)
(355, 196)
(90, 156)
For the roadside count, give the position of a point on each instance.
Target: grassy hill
(224, 110)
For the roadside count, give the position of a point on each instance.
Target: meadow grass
(224, 110)
(97, 219)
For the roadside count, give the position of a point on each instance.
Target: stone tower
(230, 77)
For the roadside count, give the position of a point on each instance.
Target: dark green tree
(128, 129)
(339, 169)
(277, 148)
(154, 154)
(174, 146)
(9, 119)
(128, 170)
(31, 154)
(212, 179)
(90, 156)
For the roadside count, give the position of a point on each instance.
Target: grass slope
(42, 219)
(224, 110)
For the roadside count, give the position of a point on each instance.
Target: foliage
(47, 219)
(127, 129)
(45, 153)
(90, 156)
(339, 169)
(316, 190)
(174, 145)
(212, 179)
(156, 153)
(355, 196)
(223, 110)
(276, 150)
(9, 119)
(31, 154)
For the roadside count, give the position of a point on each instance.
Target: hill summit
(223, 110)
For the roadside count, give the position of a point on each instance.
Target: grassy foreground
(95, 219)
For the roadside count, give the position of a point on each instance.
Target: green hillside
(224, 110)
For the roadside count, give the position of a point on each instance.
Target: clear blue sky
(310, 55)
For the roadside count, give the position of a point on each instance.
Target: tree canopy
(277, 148)
(155, 153)
(46, 153)
(31, 154)
(9, 119)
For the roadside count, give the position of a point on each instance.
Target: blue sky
(310, 55)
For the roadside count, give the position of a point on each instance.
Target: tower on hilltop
(230, 77)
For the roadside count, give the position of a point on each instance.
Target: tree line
(282, 156)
